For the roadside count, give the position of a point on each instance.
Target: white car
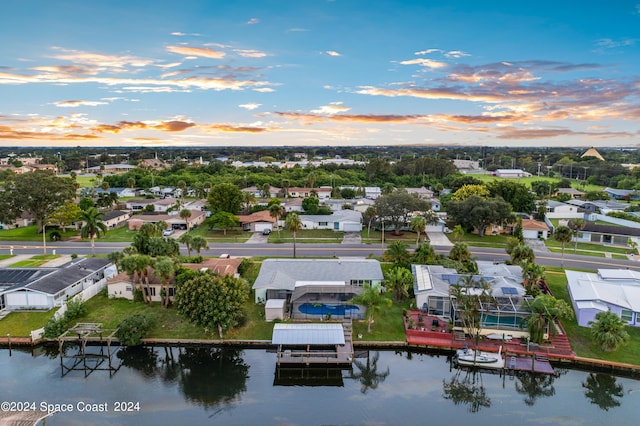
(167, 232)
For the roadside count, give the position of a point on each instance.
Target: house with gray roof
(45, 288)
(617, 290)
(341, 220)
(314, 288)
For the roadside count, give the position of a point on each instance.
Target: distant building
(511, 173)
(592, 152)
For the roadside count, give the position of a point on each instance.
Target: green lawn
(20, 324)
(580, 336)
(569, 247)
(85, 180)
(34, 261)
(306, 236)
(30, 233)
(388, 326)
(119, 235)
(232, 236)
(375, 237)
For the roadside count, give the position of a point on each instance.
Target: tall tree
(38, 193)
(369, 216)
(186, 239)
(293, 224)
(199, 243)
(373, 300)
(185, 214)
(225, 197)
(116, 257)
(477, 212)
(164, 268)
(522, 253)
(562, 234)
(460, 252)
(92, 225)
(397, 206)
(223, 220)
(418, 225)
(65, 215)
(514, 193)
(576, 226)
(276, 211)
(399, 280)
(424, 254)
(546, 309)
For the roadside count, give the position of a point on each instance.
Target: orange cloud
(204, 52)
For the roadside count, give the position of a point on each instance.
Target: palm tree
(522, 253)
(369, 216)
(418, 224)
(576, 225)
(249, 200)
(186, 239)
(424, 254)
(266, 190)
(397, 253)
(399, 280)
(533, 274)
(185, 214)
(562, 234)
(92, 225)
(457, 233)
(603, 391)
(285, 186)
(373, 300)
(164, 268)
(198, 243)
(276, 211)
(460, 252)
(546, 309)
(116, 257)
(608, 331)
(293, 224)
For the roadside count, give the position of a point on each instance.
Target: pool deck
(518, 356)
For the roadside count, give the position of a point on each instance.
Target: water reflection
(535, 386)
(207, 376)
(466, 388)
(368, 373)
(602, 390)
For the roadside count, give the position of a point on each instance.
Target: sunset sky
(319, 72)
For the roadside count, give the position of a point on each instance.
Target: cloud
(425, 63)
(112, 63)
(456, 54)
(165, 126)
(427, 52)
(332, 53)
(253, 21)
(333, 108)
(181, 34)
(297, 30)
(250, 106)
(77, 103)
(203, 52)
(248, 53)
(607, 44)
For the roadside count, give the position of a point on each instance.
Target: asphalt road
(320, 250)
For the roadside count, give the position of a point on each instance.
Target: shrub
(75, 309)
(133, 329)
(55, 236)
(74, 255)
(55, 327)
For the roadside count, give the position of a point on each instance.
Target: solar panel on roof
(509, 290)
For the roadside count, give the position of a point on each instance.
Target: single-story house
(166, 192)
(533, 229)
(159, 205)
(433, 282)
(316, 287)
(257, 222)
(511, 173)
(121, 285)
(111, 168)
(559, 210)
(572, 192)
(292, 204)
(173, 220)
(45, 288)
(617, 290)
(121, 192)
(623, 194)
(372, 192)
(25, 219)
(115, 218)
(608, 234)
(422, 192)
(341, 220)
(599, 206)
(259, 193)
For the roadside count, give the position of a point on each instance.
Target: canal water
(227, 386)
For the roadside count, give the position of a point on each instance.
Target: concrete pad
(439, 239)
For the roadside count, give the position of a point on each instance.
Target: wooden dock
(534, 364)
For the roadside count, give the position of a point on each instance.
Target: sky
(319, 73)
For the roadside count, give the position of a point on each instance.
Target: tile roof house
(617, 290)
(257, 222)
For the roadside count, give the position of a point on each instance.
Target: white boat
(470, 357)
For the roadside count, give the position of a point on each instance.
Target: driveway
(257, 238)
(439, 239)
(352, 238)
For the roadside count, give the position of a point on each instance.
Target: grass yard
(20, 324)
(306, 236)
(233, 235)
(34, 261)
(388, 325)
(30, 233)
(119, 235)
(580, 337)
(375, 237)
(569, 247)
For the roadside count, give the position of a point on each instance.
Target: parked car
(167, 232)
(266, 231)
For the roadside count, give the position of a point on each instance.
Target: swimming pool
(324, 310)
(502, 321)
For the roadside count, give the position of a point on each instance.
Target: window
(153, 291)
(626, 315)
(128, 288)
(323, 223)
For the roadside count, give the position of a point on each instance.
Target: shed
(274, 309)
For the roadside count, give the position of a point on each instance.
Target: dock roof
(308, 334)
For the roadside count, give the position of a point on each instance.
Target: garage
(351, 227)
(260, 227)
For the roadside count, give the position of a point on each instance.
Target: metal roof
(282, 274)
(308, 334)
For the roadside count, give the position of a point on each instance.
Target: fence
(85, 294)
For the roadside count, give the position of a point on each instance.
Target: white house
(372, 192)
(44, 288)
(511, 173)
(617, 290)
(558, 210)
(533, 229)
(159, 205)
(341, 220)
